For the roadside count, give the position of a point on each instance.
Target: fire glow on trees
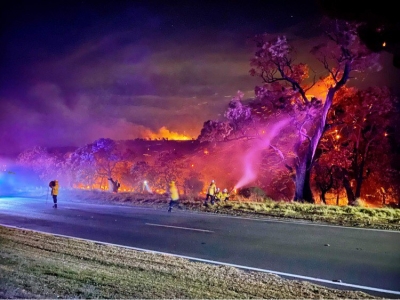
(249, 129)
(165, 133)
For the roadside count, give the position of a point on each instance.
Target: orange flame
(165, 133)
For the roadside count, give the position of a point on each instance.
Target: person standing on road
(54, 191)
(173, 194)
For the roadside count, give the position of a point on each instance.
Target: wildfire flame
(165, 133)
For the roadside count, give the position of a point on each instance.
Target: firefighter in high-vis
(173, 194)
(218, 195)
(225, 195)
(54, 191)
(211, 191)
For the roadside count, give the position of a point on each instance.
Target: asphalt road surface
(339, 257)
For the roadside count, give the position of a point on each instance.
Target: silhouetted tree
(168, 166)
(141, 171)
(274, 64)
(362, 120)
(98, 161)
(238, 115)
(83, 166)
(214, 131)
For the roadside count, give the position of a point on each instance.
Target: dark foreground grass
(36, 265)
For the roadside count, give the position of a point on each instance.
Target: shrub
(252, 192)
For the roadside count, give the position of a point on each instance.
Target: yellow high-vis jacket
(173, 192)
(212, 189)
(54, 189)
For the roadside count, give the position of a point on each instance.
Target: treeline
(302, 137)
(130, 162)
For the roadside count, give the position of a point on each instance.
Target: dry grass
(355, 216)
(36, 265)
(379, 218)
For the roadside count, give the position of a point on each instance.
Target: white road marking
(368, 288)
(185, 228)
(270, 219)
(265, 218)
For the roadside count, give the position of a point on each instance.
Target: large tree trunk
(303, 169)
(308, 196)
(350, 195)
(299, 182)
(323, 199)
(358, 187)
(360, 175)
(303, 189)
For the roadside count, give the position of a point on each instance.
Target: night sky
(75, 71)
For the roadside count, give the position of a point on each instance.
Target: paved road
(348, 257)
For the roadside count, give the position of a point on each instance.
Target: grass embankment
(35, 265)
(354, 216)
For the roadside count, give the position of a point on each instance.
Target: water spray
(253, 155)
